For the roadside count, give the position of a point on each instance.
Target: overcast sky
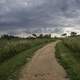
(56, 16)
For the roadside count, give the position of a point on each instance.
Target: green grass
(68, 54)
(73, 43)
(9, 66)
(10, 48)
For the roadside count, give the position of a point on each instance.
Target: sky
(36, 16)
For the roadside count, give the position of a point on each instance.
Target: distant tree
(55, 37)
(73, 34)
(34, 35)
(6, 36)
(47, 36)
(64, 34)
(29, 37)
(40, 36)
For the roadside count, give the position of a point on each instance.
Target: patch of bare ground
(44, 66)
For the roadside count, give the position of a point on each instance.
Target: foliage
(14, 54)
(64, 34)
(68, 53)
(6, 36)
(73, 34)
(34, 35)
(44, 36)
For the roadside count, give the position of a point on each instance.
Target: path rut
(44, 66)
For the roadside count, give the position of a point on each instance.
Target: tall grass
(11, 48)
(73, 43)
(68, 53)
(14, 53)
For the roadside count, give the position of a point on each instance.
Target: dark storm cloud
(39, 15)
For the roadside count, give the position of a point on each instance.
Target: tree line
(72, 34)
(6, 36)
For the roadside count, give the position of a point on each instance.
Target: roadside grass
(10, 48)
(69, 58)
(9, 67)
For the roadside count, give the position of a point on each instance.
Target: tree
(6, 36)
(64, 34)
(73, 34)
(47, 36)
(40, 36)
(34, 35)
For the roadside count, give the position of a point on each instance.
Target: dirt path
(44, 66)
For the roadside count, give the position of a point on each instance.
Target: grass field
(68, 54)
(14, 53)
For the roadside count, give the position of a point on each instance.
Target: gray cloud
(39, 15)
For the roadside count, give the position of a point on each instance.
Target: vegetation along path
(44, 66)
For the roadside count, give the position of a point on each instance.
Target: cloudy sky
(55, 16)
